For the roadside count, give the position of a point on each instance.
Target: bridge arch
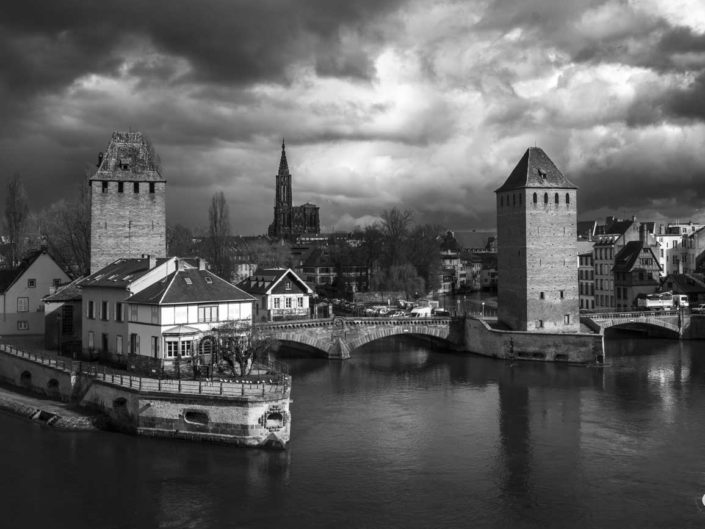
(670, 322)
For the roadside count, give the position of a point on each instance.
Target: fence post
(179, 385)
(140, 386)
(221, 387)
(242, 392)
(159, 384)
(199, 387)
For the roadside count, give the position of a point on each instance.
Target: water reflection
(403, 435)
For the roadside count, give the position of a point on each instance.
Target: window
(172, 348)
(300, 302)
(208, 280)
(186, 346)
(277, 303)
(133, 312)
(135, 343)
(501, 201)
(91, 340)
(136, 187)
(541, 296)
(539, 324)
(118, 344)
(55, 282)
(155, 314)
(91, 310)
(22, 304)
(22, 325)
(155, 346)
(514, 200)
(151, 187)
(207, 314)
(288, 303)
(555, 198)
(121, 187)
(545, 198)
(287, 285)
(567, 198)
(536, 198)
(566, 319)
(31, 283)
(104, 310)
(67, 319)
(104, 187)
(561, 294)
(118, 311)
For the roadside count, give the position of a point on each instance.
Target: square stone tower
(128, 209)
(537, 248)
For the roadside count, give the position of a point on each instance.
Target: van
(421, 312)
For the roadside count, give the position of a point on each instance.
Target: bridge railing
(262, 383)
(642, 314)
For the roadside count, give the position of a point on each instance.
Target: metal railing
(263, 383)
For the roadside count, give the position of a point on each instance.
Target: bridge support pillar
(339, 350)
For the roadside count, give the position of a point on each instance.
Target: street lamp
(483, 310)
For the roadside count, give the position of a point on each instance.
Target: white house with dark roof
(280, 294)
(169, 319)
(148, 312)
(22, 291)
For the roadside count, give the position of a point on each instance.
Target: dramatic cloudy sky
(420, 104)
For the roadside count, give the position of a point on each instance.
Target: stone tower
(281, 226)
(290, 221)
(128, 210)
(537, 248)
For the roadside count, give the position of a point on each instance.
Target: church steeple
(283, 165)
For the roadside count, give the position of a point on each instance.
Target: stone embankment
(46, 412)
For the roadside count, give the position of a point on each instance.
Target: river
(403, 436)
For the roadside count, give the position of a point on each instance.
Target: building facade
(536, 231)
(280, 294)
(291, 221)
(128, 206)
(636, 271)
(22, 292)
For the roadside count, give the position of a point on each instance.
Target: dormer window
(208, 280)
(188, 281)
(287, 285)
(124, 164)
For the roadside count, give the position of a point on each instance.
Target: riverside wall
(482, 339)
(247, 413)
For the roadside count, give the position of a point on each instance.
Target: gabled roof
(189, 285)
(120, 273)
(627, 258)
(536, 169)
(265, 280)
(70, 292)
(11, 276)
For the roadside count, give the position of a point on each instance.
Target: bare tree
(66, 225)
(395, 229)
(16, 213)
(218, 236)
(238, 347)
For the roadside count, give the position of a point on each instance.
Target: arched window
(536, 198)
(556, 198)
(567, 198)
(545, 198)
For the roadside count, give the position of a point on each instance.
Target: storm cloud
(425, 106)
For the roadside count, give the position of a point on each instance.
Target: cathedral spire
(283, 165)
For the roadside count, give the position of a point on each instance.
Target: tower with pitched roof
(128, 207)
(537, 248)
(290, 221)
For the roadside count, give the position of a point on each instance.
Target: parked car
(698, 309)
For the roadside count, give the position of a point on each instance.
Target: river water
(405, 436)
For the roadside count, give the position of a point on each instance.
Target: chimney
(201, 263)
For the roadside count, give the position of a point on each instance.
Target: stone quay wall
(482, 339)
(249, 412)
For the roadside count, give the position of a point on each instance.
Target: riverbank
(54, 414)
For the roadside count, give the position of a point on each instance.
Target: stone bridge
(670, 320)
(338, 337)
